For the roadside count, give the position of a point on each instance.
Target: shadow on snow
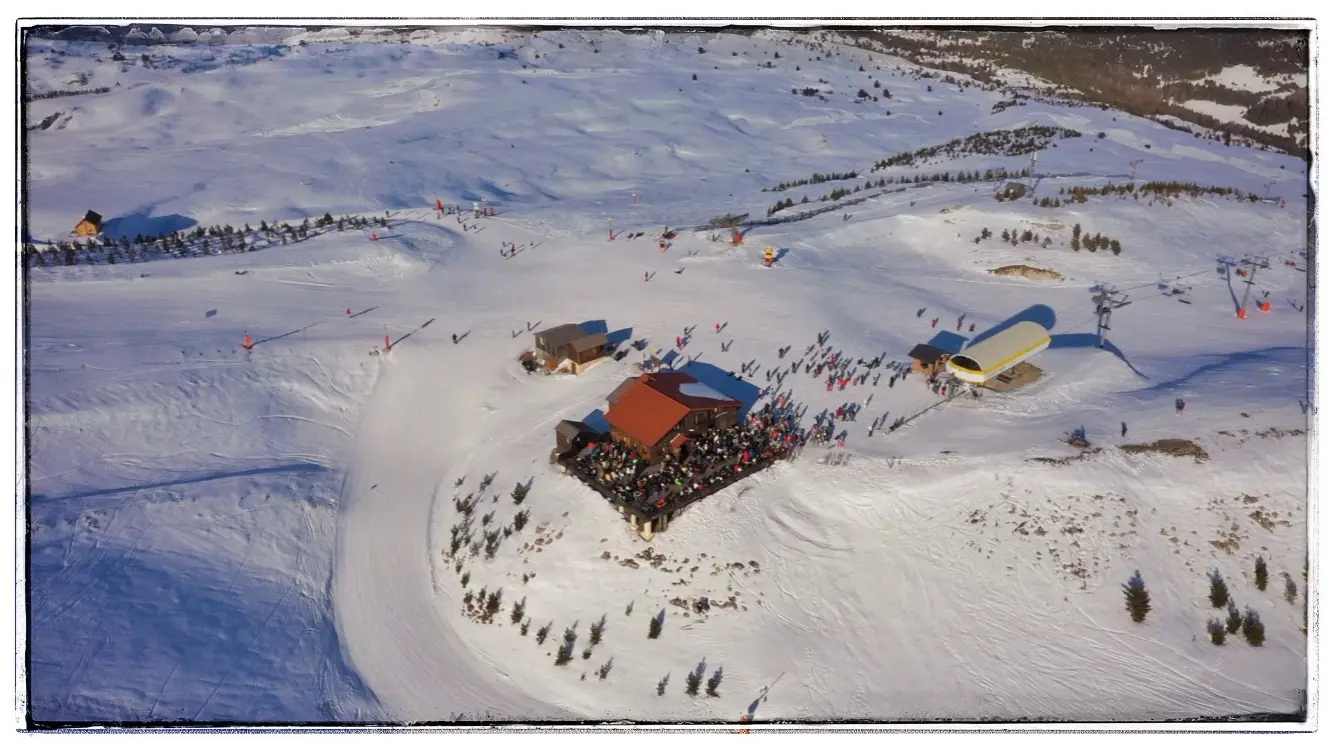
(296, 468)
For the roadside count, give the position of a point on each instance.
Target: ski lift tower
(1107, 300)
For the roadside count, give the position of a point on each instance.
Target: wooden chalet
(570, 347)
(89, 226)
(657, 413)
(928, 360)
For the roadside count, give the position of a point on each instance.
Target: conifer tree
(655, 626)
(1252, 628)
(596, 630)
(1216, 632)
(714, 682)
(519, 492)
(520, 520)
(1217, 589)
(692, 681)
(1260, 574)
(516, 614)
(1137, 601)
(1291, 591)
(1233, 617)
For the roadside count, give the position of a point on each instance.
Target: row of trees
(1093, 242)
(56, 94)
(1014, 237)
(813, 179)
(990, 175)
(1013, 142)
(213, 240)
(1172, 189)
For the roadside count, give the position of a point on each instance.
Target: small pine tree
(692, 681)
(542, 632)
(605, 669)
(1291, 592)
(714, 682)
(564, 655)
(1217, 589)
(520, 520)
(518, 493)
(662, 683)
(596, 630)
(1252, 628)
(1260, 574)
(655, 627)
(1233, 617)
(523, 629)
(466, 577)
(1217, 632)
(587, 653)
(516, 614)
(1137, 601)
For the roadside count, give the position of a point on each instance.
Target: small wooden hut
(89, 226)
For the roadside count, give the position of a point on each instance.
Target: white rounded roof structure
(982, 361)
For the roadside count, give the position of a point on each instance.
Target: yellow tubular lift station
(980, 362)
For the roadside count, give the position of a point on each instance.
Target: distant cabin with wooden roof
(570, 347)
(928, 360)
(89, 226)
(657, 413)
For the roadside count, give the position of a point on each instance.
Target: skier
(454, 336)
(933, 321)
(1124, 428)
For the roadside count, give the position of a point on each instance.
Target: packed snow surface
(219, 534)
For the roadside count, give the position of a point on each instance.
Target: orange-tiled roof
(644, 414)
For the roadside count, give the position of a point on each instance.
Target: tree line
(218, 239)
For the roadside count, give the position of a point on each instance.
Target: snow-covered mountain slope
(263, 535)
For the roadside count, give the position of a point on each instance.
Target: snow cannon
(1241, 313)
(736, 238)
(769, 256)
(1265, 306)
(247, 343)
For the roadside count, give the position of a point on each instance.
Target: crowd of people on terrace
(707, 462)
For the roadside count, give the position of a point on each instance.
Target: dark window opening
(967, 363)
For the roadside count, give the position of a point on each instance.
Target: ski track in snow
(261, 536)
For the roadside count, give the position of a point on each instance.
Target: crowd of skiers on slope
(706, 462)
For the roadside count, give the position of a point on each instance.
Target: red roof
(653, 405)
(644, 414)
